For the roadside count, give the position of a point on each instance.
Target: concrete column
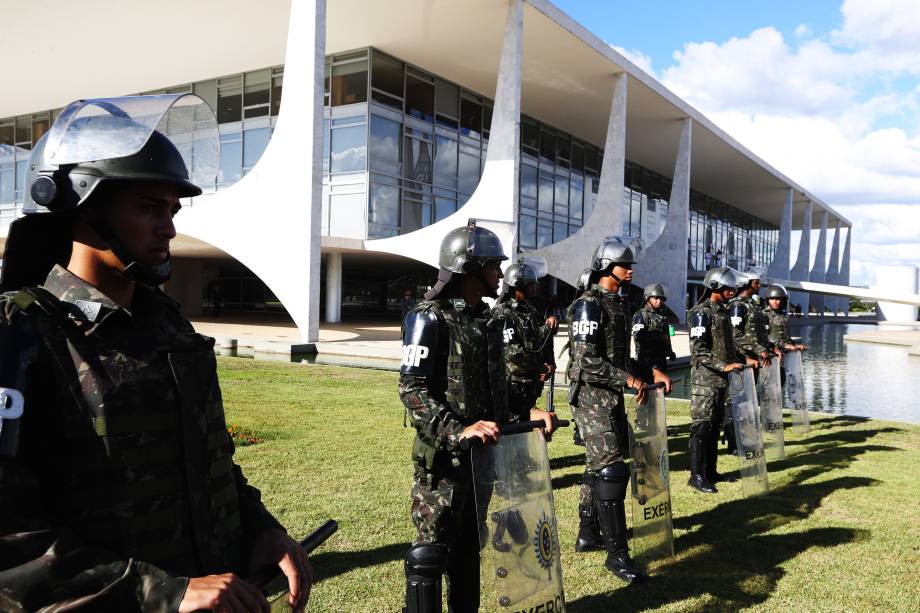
(833, 270)
(892, 279)
(843, 277)
(819, 269)
(779, 267)
(494, 204)
(665, 261)
(284, 187)
(333, 287)
(799, 271)
(569, 257)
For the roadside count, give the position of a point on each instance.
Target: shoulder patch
(420, 338)
(737, 314)
(586, 319)
(699, 324)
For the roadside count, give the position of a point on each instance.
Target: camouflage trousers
(601, 418)
(709, 403)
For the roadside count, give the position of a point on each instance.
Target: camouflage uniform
(598, 347)
(124, 483)
(749, 327)
(779, 332)
(450, 378)
(526, 350)
(711, 349)
(651, 346)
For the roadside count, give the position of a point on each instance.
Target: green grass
(839, 530)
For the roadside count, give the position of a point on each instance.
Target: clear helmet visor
(105, 128)
(537, 263)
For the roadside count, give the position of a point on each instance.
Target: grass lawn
(839, 530)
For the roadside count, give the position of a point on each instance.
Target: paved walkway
(901, 338)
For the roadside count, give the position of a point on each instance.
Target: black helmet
(584, 280)
(655, 290)
(519, 275)
(465, 250)
(613, 250)
(726, 276)
(777, 291)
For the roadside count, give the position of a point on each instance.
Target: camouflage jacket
(779, 333)
(712, 344)
(527, 341)
(598, 344)
(651, 339)
(122, 484)
(749, 327)
(451, 376)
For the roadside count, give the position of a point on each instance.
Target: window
(349, 151)
(527, 233)
(229, 99)
(545, 194)
(528, 186)
(419, 96)
(468, 177)
(418, 156)
(470, 117)
(387, 80)
(576, 197)
(530, 137)
(256, 93)
(560, 231)
(277, 83)
(445, 203)
(415, 212)
(7, 148)
(544, 233)
(231, 157)
(562, 195)
(447, 103)
(445, 161)
(383, 208)
(207, 91)
(254, 143)
(547, 145)
(384, 145)
(349, 81)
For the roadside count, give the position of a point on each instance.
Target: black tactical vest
(719, 329)
(141, 462)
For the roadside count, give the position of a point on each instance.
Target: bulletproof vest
(761, 325)
(650, 330)
(720, 331)
(524, 342)
(778, 326)
(145, 466)
(613, 338)
(755, 325)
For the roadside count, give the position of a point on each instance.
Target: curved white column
(569, 257)
(270, 219)
(819, 269)
(843, 277)
(779, 267)
(665, 261)
(799, 271)
(494, 202)
(833, 270)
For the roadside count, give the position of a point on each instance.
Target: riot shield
(795, 387)
(519, 564)
(653, 537)
(748, 434)
(770, 401)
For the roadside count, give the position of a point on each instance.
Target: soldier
(779, 332)
(527, 352)
(712, 356)
(584, 280)
(118, 489)
(452, 385)
(598, 351)
(651, 335)
(749, 324)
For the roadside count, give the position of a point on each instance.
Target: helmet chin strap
(148, 275)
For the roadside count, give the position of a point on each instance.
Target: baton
(265, 577)
(549, 395)
(518, 428)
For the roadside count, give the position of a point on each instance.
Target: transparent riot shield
(519, 563)
(770, 401)
(795, 387)
(653, 537)
(748, 434)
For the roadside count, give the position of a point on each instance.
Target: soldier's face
(141, 216)
(530, 290)
(775, 303)
(492, 274)
(755, 286)
(624, 272)
(656, 302)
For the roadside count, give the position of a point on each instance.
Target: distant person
(707, 257)
(718, 258)
(406, 304)
(214, 297)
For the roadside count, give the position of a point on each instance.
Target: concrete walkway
(374, 342)
(900, 338)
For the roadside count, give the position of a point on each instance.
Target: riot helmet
(725, 276)
(777, 291)
(169, 139)
(466, 251)
(584, 280)
(613, 250)
(655, 290)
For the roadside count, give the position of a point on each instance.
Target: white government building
(355, 133)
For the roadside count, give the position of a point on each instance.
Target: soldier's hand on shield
(637, 384)
(764, 358)
(800, 347)
(552, 322)
(753, 363)
(733, 366)
(548, 372)
(276, 548)
(225, 593)
(547, 417)
(660, 377)
(789, 347)
(778, 352)
(486, 431)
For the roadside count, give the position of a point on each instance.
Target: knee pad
(612, 481)
(426, 560)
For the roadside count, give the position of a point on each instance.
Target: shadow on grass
(731, 560)
(567, 461)
(333, 563)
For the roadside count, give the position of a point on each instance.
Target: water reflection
(850, 378)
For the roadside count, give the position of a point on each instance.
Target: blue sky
(827, 91)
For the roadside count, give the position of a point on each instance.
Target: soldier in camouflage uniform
(527, 352)
(598, 351)
(453, 387)
(118, 489)
(778, 330)
(584, 280)
(651, 348)
(712, 356)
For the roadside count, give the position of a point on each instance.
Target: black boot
(611, 515)
(712, 458)
(589, 538)
(610, 494)
(699, 441)
(576, 437)
(424, 565)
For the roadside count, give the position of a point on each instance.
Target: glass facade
(407, 148)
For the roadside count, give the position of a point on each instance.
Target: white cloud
(831, 112)
(638, 58)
